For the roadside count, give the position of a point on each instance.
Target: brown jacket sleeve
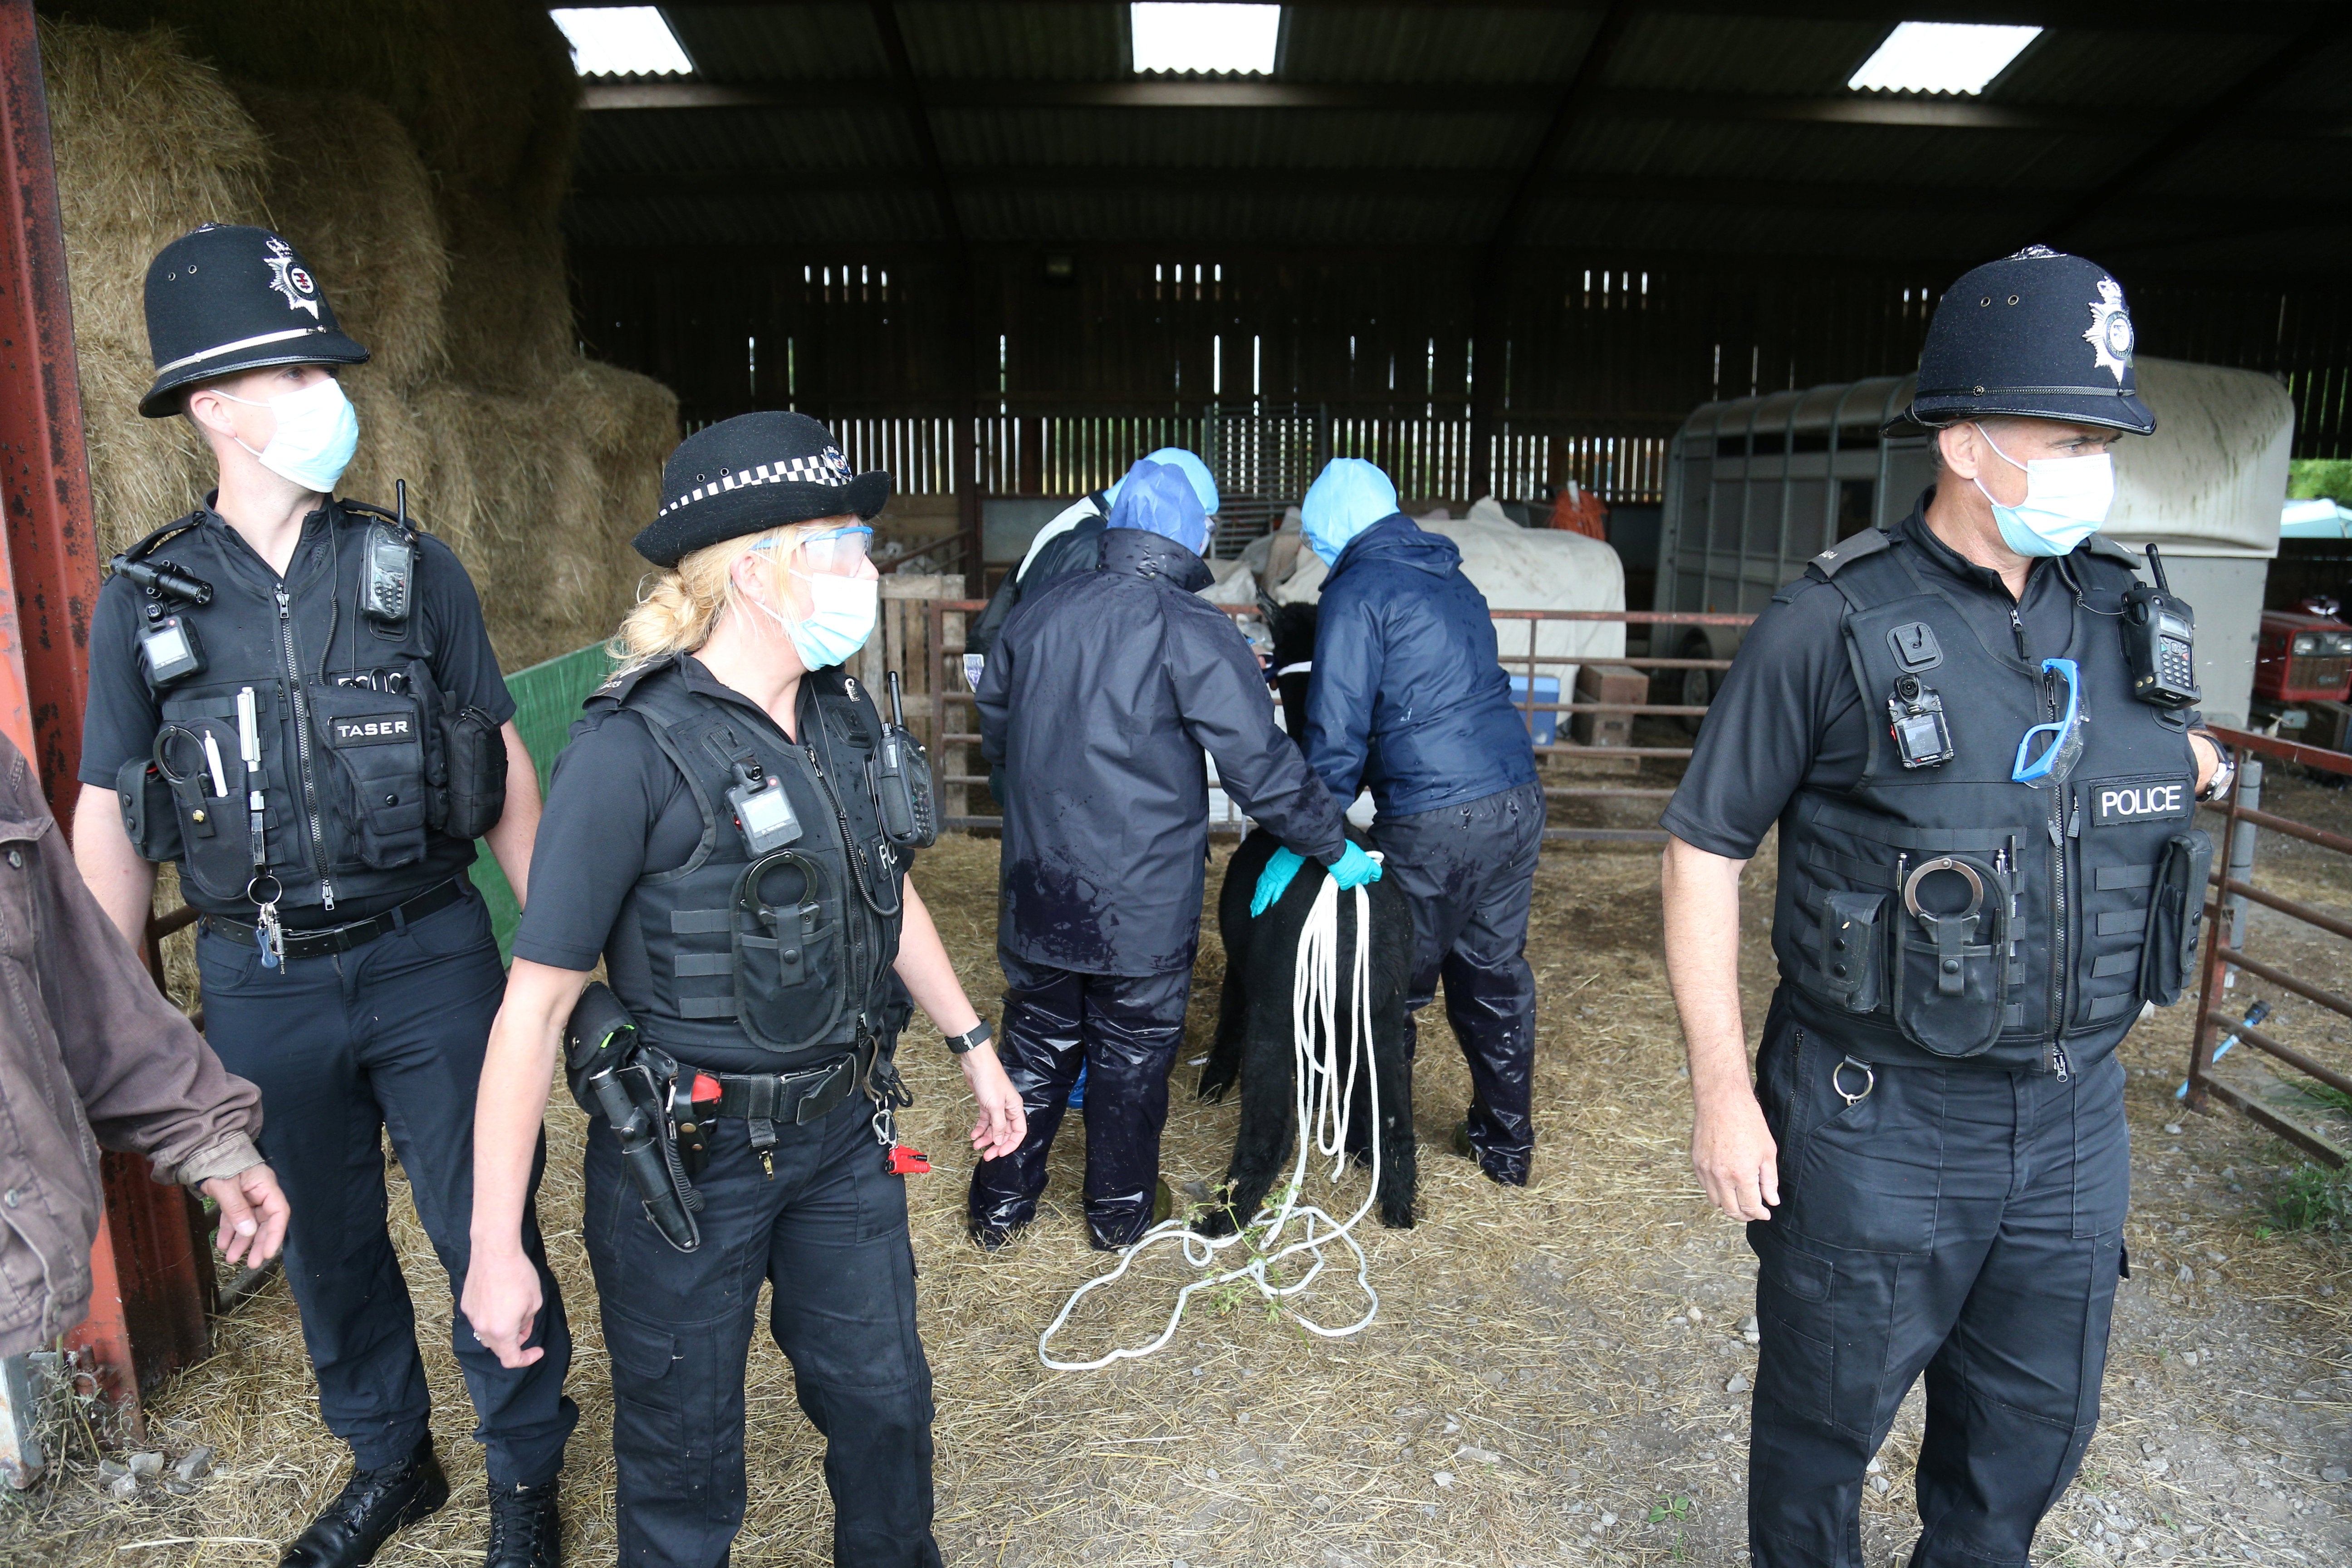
(90, 1053)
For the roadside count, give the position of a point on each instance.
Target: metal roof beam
(2213, 117)
(1860, 109)
(2243, 16)
(1413, 185)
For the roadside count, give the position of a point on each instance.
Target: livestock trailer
(1757, 486)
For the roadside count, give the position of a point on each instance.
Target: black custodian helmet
(2037, 335)
(225, 298)
(750, 474)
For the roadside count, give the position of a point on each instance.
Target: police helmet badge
(837, 465)
(288, 277)
(2110, 331)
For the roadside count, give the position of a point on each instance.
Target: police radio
(387, 587)
(2160, 642)
(167, 643)
(902, 782)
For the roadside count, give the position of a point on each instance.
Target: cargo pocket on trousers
(1796, 1367)
(648, 1398)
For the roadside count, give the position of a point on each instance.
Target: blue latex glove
(1354, 868)
(1275, 878)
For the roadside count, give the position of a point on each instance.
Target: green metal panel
(547, 698)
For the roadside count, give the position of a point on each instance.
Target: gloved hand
(1354, 868)
(1275, 878)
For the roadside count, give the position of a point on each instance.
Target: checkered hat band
(829, 468)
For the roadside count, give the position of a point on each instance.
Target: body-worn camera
(1915, 716)
(764, 813)
(2160, 642)
(167, 643)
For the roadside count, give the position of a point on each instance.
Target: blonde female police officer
(1987, 864)
(294, 698)
(721, 832)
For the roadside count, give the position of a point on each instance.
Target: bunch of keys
(267, 934)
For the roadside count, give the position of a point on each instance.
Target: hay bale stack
(535, 464)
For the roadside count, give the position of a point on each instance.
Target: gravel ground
(1556, 1375)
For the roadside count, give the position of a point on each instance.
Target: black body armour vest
(1948, 914)
(789, 951)
(352, 733)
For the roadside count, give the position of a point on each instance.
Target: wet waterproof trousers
(1124, 1029)
(828, 1231)
(1963, 1224)
(1470, 871)
(345, 1047)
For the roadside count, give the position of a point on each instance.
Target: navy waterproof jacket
(1409, 698)
(1104, 690)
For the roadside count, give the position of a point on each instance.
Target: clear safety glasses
(839, 552)
(2065, 745)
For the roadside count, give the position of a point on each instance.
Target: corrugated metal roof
(779, 43)
(1725, 116)
(1456, 45)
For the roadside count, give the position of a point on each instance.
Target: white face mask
(2066, 499)
(318, 431)
(841, 618)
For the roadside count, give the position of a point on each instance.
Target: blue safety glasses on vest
(2057, 758)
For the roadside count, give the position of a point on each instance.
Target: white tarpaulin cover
(1516, 568)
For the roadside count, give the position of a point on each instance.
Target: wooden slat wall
(1613, 351)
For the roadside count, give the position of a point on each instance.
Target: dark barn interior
(1497, 246)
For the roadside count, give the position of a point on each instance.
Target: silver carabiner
(1869, 1081)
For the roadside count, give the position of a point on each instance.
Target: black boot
(525, 1530)
(371, 1505)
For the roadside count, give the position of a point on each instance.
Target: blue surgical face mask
(318, 431)
(2066, 499)
(842, 613)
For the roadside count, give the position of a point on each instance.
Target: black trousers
(828, 1232)
(344, 1047)
(1125, 1031)
(1470, 871)
(1964, 1224)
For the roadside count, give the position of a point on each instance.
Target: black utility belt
(797, 1098)
(331, 940)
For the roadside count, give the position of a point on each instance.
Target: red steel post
(147, 1308)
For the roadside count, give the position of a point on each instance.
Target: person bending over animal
(1103, 691)
(1409, 700)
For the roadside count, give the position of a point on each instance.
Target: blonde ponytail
(678, 608)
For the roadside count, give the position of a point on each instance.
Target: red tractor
(2304, 655)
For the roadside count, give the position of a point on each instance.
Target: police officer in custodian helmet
(1976, 732)
(294, 698)
(730, 830)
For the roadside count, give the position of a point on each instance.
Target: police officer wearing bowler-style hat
(294, 698)
(1975, 733)
(730, 830)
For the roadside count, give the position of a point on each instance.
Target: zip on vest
(2058, 965)
(853, 852)
(302, 745)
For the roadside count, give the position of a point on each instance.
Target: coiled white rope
(1323, 1080)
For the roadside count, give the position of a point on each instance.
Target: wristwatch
(972, 1038)
(2225, 771)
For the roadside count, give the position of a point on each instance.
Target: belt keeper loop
(763, 1133)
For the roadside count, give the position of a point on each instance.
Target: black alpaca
(1253, 1018)
(1253, 1033)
